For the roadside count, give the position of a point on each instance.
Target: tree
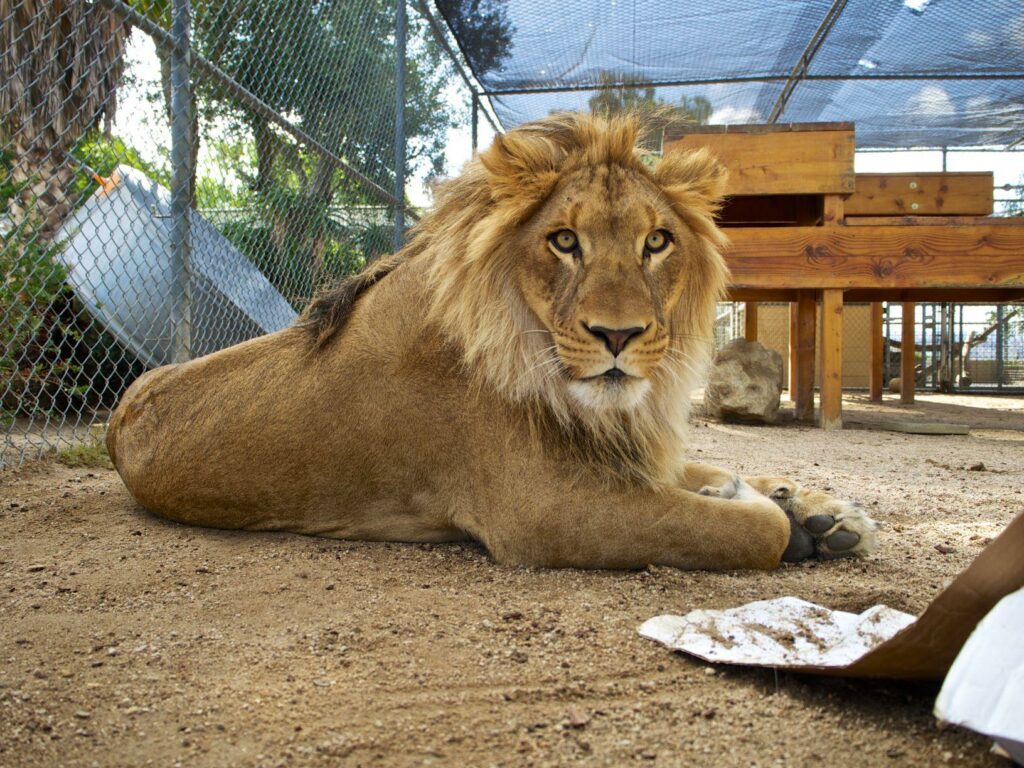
(482, 29)
(60, 65)
(625, 94)
(328, 66)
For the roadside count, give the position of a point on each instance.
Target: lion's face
(603, 264)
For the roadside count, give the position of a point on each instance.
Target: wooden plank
(921, 194)
(907, 348)
(805, 341)
(682, 129)
(750, 321)
(876, 353)
(972, 256)
(792, 350)
(831, 359)
(960, 295)
(925, 427)
(933, 221)
(973, 295)
(779, 163)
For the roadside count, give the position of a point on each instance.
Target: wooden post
(805, 335)
(907, 374)
(792, 351)
(750, 320)
(833, 210)
(832, 358)
(877, 351)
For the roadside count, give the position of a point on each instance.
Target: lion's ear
(694, 183)
(696, 174)
(522, 165)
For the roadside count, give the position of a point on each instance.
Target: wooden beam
(907, 363)
(806, 322)
(792, 350)
(754, 294)
(831, 359)
(867, 295)
(921, 194)
(832, 212)
(988, 255)
(876, 353)
(933, 221)
(960, 295)
(783, 162)
(750, 321)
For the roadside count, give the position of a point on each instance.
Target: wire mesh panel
(178, 177)
(960, 347)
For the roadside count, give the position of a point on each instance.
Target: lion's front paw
(733, 488)
(826, 527)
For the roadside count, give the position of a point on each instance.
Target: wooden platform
(805, 229)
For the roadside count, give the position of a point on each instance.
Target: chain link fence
(177, 177)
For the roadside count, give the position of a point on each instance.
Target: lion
(518, 374)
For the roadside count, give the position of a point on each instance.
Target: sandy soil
(128, 640)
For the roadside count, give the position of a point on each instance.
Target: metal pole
(400, 25)
(181, 167)
(476, 121)
(999, 346)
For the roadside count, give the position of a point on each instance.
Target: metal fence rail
(178, 176)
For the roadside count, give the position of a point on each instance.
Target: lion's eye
(657, 241)
(564, 240)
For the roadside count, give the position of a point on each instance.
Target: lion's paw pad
(844, 530)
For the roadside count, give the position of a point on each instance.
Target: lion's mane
(475, 301)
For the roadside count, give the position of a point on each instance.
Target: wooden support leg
(877, 350)
(832, 359)
(907, 374)
(792, 350)
(750, 320)
(805, 334)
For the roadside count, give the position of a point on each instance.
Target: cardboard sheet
(793, 634)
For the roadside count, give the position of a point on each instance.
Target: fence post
(400, 26)
(181, 168)
(999, 346)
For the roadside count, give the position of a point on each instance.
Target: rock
(745, 383)
(895, 385)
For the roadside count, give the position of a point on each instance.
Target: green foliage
(620, 95)
(91, 454)
(483, 28)
(50, 350)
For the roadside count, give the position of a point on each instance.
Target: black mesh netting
(908, 72)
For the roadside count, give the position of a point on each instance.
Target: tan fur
(455, 390)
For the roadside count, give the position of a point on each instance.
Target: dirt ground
(128, 640)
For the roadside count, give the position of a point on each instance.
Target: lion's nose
(615, 339)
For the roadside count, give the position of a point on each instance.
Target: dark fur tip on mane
(330, 309)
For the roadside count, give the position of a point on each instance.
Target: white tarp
(984, 690)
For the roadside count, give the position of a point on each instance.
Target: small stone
(82, 715)
(36, 568)
(577, 716)
(709, 671)
(979, 467)
(944, 549)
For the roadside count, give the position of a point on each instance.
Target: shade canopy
(909, 73)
